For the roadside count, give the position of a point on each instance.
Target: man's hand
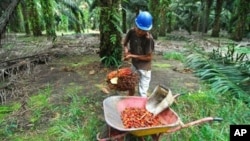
(126, 52)
(127, 56)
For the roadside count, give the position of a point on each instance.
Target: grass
(160, 65)
(79, 61)
(205, 103)
(74, 120)
(5, 110)
(173, 56)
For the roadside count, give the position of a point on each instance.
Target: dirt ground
(80, 49)
(75, 60)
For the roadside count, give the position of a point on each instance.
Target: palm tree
(25, 17)
(216, 25)
(110, 33)
(205, 21)
(34, 18)
(164, 10)
(155, 10)
(241, 14)
(16, 20)
(48, 17)
(6, 16)
(72, 10)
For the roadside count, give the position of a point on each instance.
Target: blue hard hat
(144, 20)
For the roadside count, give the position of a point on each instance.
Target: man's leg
(145, 77)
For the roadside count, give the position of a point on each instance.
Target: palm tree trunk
(242, 12)
(207, 13)
(34, 18)
(124, 21)
(154, 9)
(216, 25)
(163, 16)
(110, 34)
(48, 17)
(163, 26)
(77, 25)
(16, 21)
(6, 15)
(169, 22)
(25, 17)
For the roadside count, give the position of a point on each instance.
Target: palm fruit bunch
(122, 79)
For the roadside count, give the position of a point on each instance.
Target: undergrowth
(205, 103)
(73, 120)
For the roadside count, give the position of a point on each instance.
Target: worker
(138, 47)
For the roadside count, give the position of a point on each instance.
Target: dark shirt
(140, 46)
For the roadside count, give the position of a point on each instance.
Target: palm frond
(222, 79)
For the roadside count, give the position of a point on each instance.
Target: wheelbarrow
(114, 105)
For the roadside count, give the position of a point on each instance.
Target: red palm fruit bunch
(122, 79)
(133, 117)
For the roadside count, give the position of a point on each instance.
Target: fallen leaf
(92, 72)
(105, 90)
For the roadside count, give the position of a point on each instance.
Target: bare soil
(75, 60)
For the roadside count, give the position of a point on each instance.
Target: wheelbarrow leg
(156, 137)
(111, 134)
(116, 135)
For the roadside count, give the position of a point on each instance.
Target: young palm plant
(223, 78)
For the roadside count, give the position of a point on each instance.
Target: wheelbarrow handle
(217, 119)
(197, 122)
(177, 95)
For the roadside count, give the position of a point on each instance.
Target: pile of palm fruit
(122, 79)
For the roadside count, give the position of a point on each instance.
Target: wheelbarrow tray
(114, 105)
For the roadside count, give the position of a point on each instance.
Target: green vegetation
(5, 110)
(173, 56)
(206, 103)
(160, 65)
(74, 120)
(225, 93)
(227, 72)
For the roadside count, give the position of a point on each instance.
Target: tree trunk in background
(16, 21)
(243, 10)
(4, 19)
(163, 25)
(110, 33)
(48, 17)
(169, 21)
(34, 18)
(124, 21)
(216, 24)
(25, 17)
(77, 24)
(154, 10)
(164, 10)
(205, 22)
